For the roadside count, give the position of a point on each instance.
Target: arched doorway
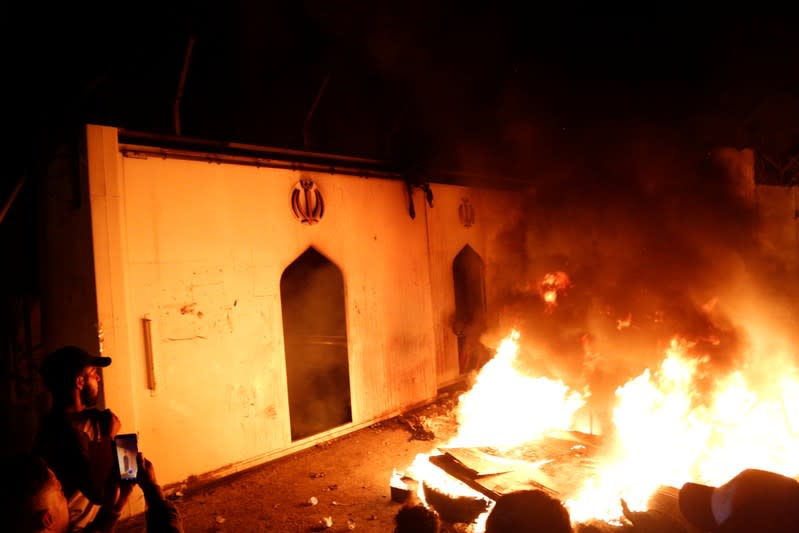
(315, 334)
(468, 274)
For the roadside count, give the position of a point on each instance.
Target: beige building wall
(198, 249)
(778, 207)
(449, 234)
(778, 235)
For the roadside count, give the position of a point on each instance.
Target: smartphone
(127, 448)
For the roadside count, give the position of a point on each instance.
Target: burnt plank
(495, 478)
(557, 463)
(455, 469)
(478, 463)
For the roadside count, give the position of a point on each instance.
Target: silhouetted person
(33, 501)
(754, 501)
(75, 438)
(31, 497)
(528, 511)
(472, 353)
(417, 518)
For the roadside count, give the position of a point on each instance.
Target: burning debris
(552, 285)
(402, 487)
(670, 425)
(326, 522)
(418, 427)
(455, 509)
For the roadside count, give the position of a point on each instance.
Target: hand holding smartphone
(127, 448)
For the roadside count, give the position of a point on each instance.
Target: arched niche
(315, 336)
(468, 275)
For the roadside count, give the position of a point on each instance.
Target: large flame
(671, 425)
(553, 284)
(499, 411)
(667, 433)
(502, 409)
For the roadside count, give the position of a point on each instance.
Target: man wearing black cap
(754, 501)
(76, 439)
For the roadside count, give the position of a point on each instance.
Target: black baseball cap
(61, 367)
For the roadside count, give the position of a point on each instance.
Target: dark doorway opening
(315, 334)
(468, 273)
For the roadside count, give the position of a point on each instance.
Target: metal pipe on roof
(146, 144)
(11, 198)
(307, 124)
(182, 84)
(330, 167)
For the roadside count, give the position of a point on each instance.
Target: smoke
(659, 234)
(659, 240)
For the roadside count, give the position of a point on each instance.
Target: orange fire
(500, 409)
(551, 285)
(625, 322)
(668, 429)
(485, 418)
(667, 434)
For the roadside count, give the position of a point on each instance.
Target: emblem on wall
(307, 203)
(466, 213)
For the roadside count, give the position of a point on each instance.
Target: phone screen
(127, 448)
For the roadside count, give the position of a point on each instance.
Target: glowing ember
(551, 285)
(624, 323)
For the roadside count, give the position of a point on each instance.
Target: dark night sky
(426, 82)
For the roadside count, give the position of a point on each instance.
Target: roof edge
(144, 144)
